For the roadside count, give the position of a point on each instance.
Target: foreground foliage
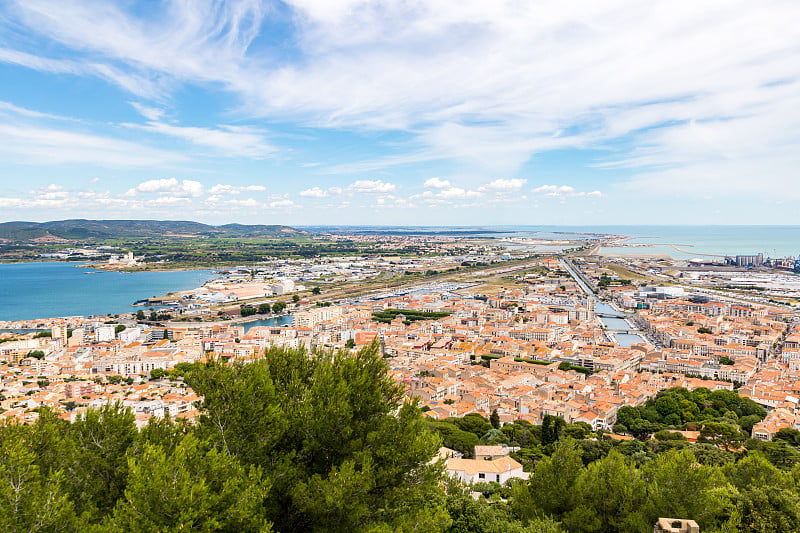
(325, 442)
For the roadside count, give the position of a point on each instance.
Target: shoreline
(110, 268)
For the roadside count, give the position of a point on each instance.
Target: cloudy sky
(401, 111)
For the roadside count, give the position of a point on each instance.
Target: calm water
(283, 320)
(40, 290)
(626, 340)
(772, 241)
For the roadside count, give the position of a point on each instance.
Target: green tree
(609, 495)
(158, 373)
(140, 315)
(552, 429)
(494, 419)
(769, 509)
(678, 486)
(342, 449)
(550, 489)
(316, 290)
(721, 433)
(278, 307)
(455, 438)
(30, 500)
(756, 471)
(747, 422)
(470, 516)
(789, 435)
(473, 423)
(191, 488)
(95, 458)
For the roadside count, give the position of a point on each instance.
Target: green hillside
(80, 230)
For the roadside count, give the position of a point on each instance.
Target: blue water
(282, 320)
(42, 290)
(772, 241)
(626, 340)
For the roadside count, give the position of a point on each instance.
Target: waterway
(626, 339)
(282, 320)
(42, 290)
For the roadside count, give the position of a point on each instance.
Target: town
(551, 336)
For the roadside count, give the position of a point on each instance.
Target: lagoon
(42, 290)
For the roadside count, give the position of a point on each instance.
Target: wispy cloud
(51, 146)
(676, 95)
(228, 140)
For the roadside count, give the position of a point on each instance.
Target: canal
(627, 335)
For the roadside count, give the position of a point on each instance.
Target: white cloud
(38, 145)
(171, 200)
(504, 185)
(317, 192)
(286, 203)
(314, 192)
(11, 202)
(228, 140)
(457, 192)
(51, 192)
(371, 187)
(11, 108)
(486, 83)
(446, 196)
(246, 202)
(182, 189)
(150, 113)
(436, 183)
(222, 189)
(564, 191)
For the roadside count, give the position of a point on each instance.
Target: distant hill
(81, 230)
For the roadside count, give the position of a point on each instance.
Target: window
(481, 476)
(498, 478)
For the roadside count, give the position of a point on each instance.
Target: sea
(42, 290)
(678, 242)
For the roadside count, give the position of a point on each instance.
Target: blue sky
(401, 112)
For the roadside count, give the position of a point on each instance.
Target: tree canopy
(321, 441)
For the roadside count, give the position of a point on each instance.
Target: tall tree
(191, 488)
(344, 451)
(30, 500)
(550, 490)
(609, 496)
(677, 485)
(494, 419)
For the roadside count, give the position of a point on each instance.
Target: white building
(482, 471)
(130, 335)
(284, 286)
(126, 259)
(105, 333)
